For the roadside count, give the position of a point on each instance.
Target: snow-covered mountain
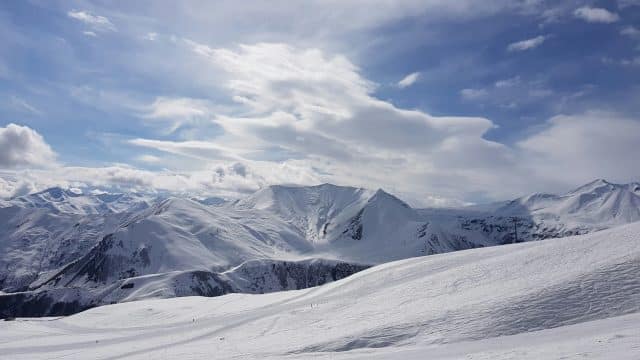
(595, 206)
(576, 297)
(83, 202)
(78, 249)
(599, 202)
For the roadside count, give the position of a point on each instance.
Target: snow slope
(563, 298)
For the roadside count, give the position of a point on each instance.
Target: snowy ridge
(546, 299)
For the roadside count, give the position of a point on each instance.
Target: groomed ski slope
(575, 297)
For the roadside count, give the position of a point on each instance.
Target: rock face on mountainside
(62, 246)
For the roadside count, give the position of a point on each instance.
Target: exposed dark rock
(251, 277)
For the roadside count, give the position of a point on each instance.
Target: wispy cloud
(631, 62)
(506, 83)
(527, 44)
(631, 32)
(473, 94)
(596, 15)
(149, 159)
(23, 106)
(634, 61)
(176, 112)
(408, 80)
(151, 36)
(96, 22)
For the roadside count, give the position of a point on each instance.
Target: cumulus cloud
(231, 179)
(96, 22)
(321, 113)
(321, 117)
(21, 146)
(319, 110)
(527, 44)
(408, 80)
(596, 15)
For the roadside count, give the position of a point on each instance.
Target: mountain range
(66, 250)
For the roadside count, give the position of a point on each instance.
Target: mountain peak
(593, 186)
(382, 195)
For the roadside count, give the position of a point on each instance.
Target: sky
(439, 102)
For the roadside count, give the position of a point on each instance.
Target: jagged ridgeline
(63, 251)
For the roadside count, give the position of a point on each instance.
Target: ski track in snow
(555, 299)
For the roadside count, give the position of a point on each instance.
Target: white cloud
(626, 3)
(318, 109)
(320, 112)
(507, 83)
(149, 159)
(473, 94)
(631, 32)
(635, 61)
(202, 150)
(151, 36)
(230, 179)
(631, 62)
(319, 116)
(408, 80)
(90, 33)
(21, 146)
(176, 112)
(540, 93)
(96, 22)
(596, 15)
(527, 44)
(22, 105)
(574, 149)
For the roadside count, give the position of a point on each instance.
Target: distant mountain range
(62, 251)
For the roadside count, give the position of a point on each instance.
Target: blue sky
(441, 102)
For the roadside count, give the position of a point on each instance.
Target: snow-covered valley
(573, 297)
